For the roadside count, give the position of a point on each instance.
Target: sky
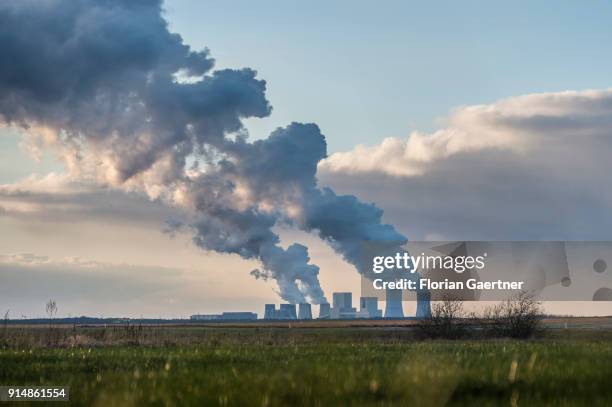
(365, 71)
(461, 120)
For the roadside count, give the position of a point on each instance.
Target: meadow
(273, 366)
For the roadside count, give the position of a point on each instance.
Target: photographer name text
(446, 284)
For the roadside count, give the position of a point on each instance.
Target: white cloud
(521, 125)
(529, 167)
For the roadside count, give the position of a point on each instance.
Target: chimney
(304, 311)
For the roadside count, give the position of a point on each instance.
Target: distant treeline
(98, 321)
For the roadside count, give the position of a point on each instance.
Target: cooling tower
(287, 311)
(423, 304)
(270, 311)
(304, 311)
(324, 311)
(393, 308)
(368, 307)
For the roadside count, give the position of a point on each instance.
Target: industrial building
(205, 317)
(368, 308)
(343, 306)
(286, 311)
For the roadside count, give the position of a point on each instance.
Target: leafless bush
(517, 317)
(5, 329)
(51, 310)
(447, 320)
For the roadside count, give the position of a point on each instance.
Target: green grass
(323, 367)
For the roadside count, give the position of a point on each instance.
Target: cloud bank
(58, 198)
(529, 167)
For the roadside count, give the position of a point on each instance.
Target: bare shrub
(447, 320)
(5, 329)
(517, 317)
(51, 310)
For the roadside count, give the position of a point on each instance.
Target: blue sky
(367, 70)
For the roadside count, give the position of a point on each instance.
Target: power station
(341, 308)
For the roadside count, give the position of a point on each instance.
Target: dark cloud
(347, 224)
(103, 73)
(288, 157)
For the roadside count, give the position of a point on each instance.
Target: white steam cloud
(98, 82)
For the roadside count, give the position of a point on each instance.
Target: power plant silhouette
(342, 308)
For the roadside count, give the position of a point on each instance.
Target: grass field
(313, 366)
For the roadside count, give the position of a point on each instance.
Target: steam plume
(125, 102)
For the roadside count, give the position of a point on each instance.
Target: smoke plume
(127, 103)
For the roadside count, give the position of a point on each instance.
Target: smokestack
(287, 311)
(270, 311)
(324, 311)
(304, 311)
